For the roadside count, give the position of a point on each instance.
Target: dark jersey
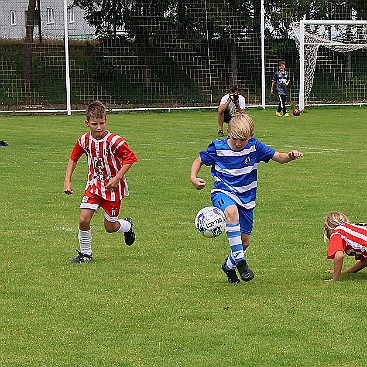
(280, 78)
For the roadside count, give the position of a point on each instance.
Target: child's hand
(295, 154)
(330, 271)
(199, 183)
(68, 190)
(112, 184)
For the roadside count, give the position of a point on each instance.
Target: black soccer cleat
(220, 134)
(246, 273)
(130, 234)
(231, 274)
(81, 258)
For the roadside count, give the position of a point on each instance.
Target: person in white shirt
(230, 103)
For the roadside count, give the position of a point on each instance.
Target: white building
(13, 20)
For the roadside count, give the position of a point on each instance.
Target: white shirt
(232, 107)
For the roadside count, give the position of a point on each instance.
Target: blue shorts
(222, 201)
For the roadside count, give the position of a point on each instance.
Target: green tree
(106, 16)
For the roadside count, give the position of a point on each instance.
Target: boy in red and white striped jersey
(344, 238)
(109, 158)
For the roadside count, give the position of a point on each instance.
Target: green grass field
(164, 301)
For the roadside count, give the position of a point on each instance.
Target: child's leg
(85, 232)
(245, 241)
(233, 232)
(246, 223)
(116, 225)
(113, 224)
(238, 242)
(121, 225)
(283, 107)
(111, 213)
(89, 205)
(361, 264)
(230, 261)
(234, 239)
(238, 220)
(229, 207)
(280, 106)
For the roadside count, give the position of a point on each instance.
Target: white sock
(124, 225)
(85, 242)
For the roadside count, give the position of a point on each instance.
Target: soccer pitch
(164, 301)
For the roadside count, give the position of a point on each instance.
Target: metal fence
(169, 58)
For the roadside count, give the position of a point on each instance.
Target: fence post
(67, 64)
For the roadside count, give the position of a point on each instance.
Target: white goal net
(330, 48)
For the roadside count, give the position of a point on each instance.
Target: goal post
(333, 34)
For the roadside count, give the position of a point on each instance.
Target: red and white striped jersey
(349, 238)
(105, 158)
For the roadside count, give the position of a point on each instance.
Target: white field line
(320, 150)
(66, 229)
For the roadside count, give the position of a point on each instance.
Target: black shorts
(227, 116)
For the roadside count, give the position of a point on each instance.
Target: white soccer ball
(210, 222)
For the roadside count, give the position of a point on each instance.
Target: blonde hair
(332, 220)
(96, 109)
(241, 126)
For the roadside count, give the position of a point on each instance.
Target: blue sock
(235, 242)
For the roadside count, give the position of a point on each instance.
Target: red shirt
(349, 238)
(105, 158)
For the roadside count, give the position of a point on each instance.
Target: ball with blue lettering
(210, 222)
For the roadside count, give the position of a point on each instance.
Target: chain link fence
(169, 57)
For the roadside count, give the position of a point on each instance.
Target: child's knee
(84, 223)
(111, 227)
(231, 213)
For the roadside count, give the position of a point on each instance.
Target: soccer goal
(336, 49)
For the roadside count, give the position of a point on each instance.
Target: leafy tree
(223, 22)
(105, 15)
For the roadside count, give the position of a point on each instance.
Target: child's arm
(69, 172)
(223, 106)
(272, 87)
(338, 264)
(199, 183)
(287, 157)
(287, 82)
(114, 182)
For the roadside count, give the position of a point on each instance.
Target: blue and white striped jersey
(235, 171)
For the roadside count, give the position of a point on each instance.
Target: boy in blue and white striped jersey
(234, 162)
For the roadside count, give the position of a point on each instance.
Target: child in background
(234, 162)
(342, 238)
(109, 158)
(280, 83)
